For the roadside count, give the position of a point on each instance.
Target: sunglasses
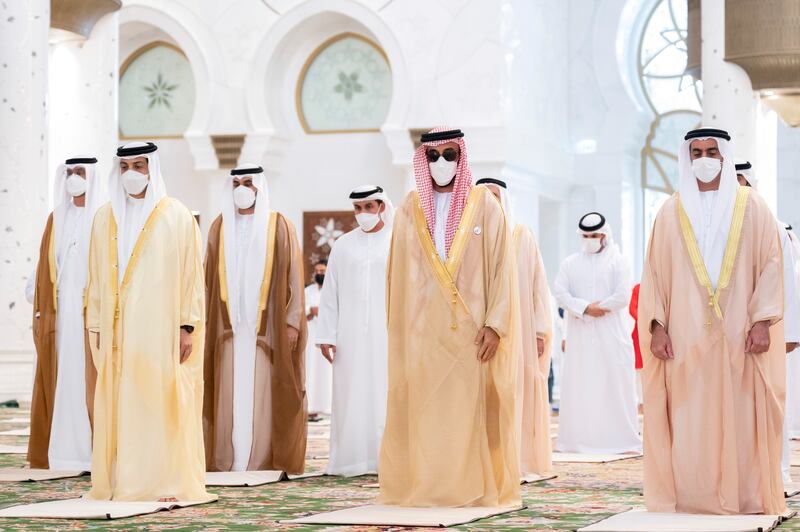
(449, 155)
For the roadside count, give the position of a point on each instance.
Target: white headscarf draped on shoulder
(374, 192)
(714, 249)
(257, 246)
(96, 196)
(156, 190)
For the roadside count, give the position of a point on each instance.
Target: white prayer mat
(791, 489)
(36, 475)
(592, 458)
(13, 449)
(640, 520)
(17, 432)
(89, 509)
(383, 515)
(533, 478)
(243, 478)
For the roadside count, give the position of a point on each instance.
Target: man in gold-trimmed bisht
(145, 316)
(535, 335)
(63, 390)
(710, 310)
(254, 408)
(450, 437)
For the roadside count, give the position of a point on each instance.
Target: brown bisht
(281, 305)
(44, 338)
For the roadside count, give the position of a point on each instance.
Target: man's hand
(791, 346)
(595, 310)
(292, 335)
(757, 341)
(487, 340)
(563, 346)
(186, 345)
(314, 312)
(540, 346)
(660, 344)
(328, 351)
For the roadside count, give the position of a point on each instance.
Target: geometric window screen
(345, 86)
(674, 96)
(156, 93)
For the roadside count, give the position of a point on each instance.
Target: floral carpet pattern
(580, 495)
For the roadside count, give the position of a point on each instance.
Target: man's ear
(382, 208)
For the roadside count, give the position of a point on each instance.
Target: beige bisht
(450, 437)
(148, 436)
(536, 321)
(713, 414)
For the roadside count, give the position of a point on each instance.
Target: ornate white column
(83, 94)
(23, 183)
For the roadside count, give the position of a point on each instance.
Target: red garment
(463, 183)
(633, 308)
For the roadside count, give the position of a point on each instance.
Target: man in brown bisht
(63, 391)
(710, 310)
(535, 334)
(450, 436)
(254, 408)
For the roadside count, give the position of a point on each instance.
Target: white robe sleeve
(30, 286)
(566, 300)
(791, 311)
(621, 297)
(328, 317)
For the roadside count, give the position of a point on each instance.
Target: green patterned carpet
(582, 494)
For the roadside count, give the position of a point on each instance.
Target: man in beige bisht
(254, 408)
(145, 311)
(535, 334)
(450, 437)
(710, 309)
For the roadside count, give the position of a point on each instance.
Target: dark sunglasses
(449, 155)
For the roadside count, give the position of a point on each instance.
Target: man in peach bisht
(710, 310)
(535, 335)
(145, 314)
(450, 437)
(254, 407)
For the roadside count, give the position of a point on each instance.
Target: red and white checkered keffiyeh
(461, 188)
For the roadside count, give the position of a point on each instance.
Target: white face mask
(592, 245)
(706, 169)
(134, 182)
(367, 220)
(244, 197)
(76, 185)
(443, 171)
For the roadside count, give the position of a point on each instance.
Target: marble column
(83, 95)
(24, 28)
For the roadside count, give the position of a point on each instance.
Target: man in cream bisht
(254, 412)
(598, 410)
(791, 317)
(535, 335)
(63, 390)
(145, 311)
(352, 334)
(710, 308)
(450, 436)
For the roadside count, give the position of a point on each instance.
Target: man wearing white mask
(254, 407)
(145, 311)
(450, 437)
(711, 334)
(63, 389)
(790, 248)
(319, 376)
(598, 410)
(352, 334)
